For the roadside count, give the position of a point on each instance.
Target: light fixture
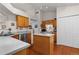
(46, 6)
(41, 7)
(1, 14)
(36, 11)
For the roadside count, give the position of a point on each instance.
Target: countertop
(44, 34)
(9, 45)
(14, 32)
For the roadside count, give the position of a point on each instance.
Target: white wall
(68, 26)
(36, 21)
(33, 23)
(48, 15)
(7, 20)
(11, 19)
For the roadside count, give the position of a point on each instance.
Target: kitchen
(19, 27)
(31, 29)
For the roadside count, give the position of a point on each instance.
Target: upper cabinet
(22, 21)
(50, 21)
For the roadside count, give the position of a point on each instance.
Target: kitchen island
(43, 44)
(10, 46)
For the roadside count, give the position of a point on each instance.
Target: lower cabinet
(28, 37)
(43, 45)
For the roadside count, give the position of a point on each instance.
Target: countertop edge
(13, 52)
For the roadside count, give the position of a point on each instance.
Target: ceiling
(30, 8)
(41, 6)
(4, 11)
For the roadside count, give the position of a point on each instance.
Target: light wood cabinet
(50, 21)
(43, 45)
(28, 36)
(22, 21)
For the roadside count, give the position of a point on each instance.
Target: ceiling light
(36, 11)
(1, 14)
(46, 6)
(41, 7)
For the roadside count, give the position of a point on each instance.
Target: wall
(36, 22)
(68, 26)
(7, 20)
(48, 15)
(11, 19)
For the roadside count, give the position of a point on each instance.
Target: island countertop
(9, 45)
(44, 34)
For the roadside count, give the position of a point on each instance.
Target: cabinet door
(22, 21)
(26, 22)
(42, 44)
(28, 36)
(50, 21)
